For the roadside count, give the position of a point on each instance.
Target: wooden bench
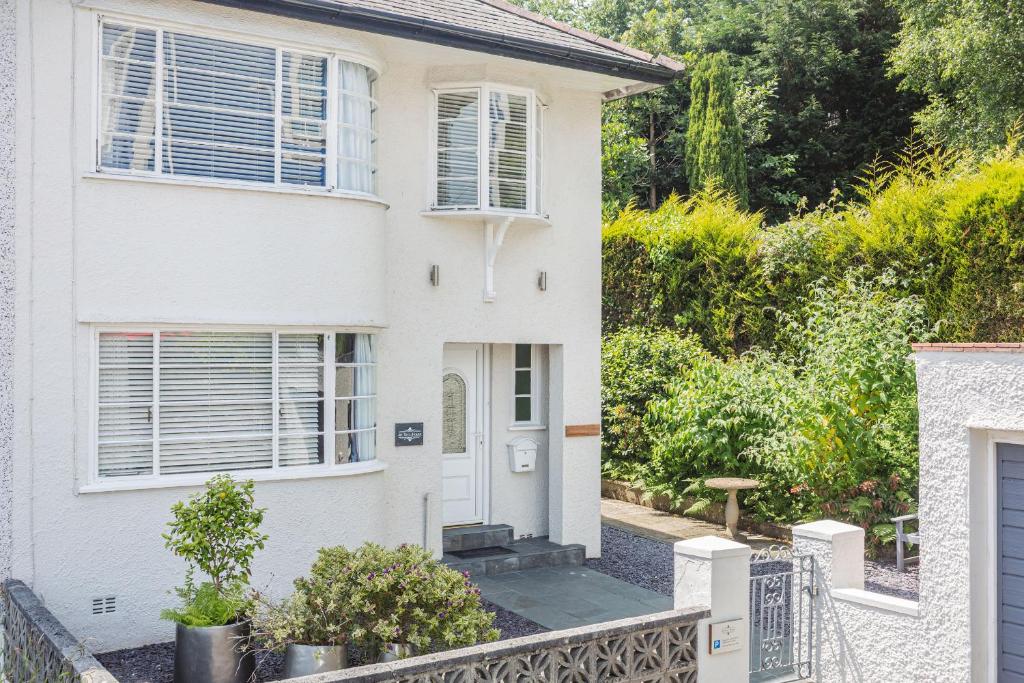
(903, 538)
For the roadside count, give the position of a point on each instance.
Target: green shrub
(827, 421)
(318, 612)
(636, 365)
(217, 532)
(401, 596)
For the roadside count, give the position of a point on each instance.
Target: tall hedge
(951, 231)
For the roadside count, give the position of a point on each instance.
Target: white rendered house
(350, 250)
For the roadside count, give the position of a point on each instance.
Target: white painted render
(8, 79)
(113, 250)
(968, 402)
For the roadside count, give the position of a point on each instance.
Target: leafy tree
(967, 56)
(813, 92)
(714, 141)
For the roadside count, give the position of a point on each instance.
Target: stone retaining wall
(37, 648)
(630, 493)
(658, 648)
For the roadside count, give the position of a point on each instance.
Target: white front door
(462, 434)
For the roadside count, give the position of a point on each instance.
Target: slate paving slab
(568, 597)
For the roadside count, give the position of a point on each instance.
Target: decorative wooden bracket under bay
(494, 237)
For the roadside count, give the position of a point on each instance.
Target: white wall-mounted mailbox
(522, 454)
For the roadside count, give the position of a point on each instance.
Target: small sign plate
(409, 434)
(724, 636)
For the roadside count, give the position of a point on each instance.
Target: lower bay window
(178, 402)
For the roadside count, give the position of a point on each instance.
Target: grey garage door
(1011, 562)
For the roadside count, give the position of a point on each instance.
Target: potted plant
(217, 533)
(312, 626)
(402, 601)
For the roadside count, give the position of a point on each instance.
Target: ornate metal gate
(781, 614)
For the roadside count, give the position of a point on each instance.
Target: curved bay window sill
(198, 479)
(301, 190)
(478, 216)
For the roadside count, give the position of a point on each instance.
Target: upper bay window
(176, 104)
(487, 143)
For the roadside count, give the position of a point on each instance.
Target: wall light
(542, 281)
(435, 275)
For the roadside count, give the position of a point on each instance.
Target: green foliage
(208, 605)
(714, 141)
(813, 92)
(688, 264)
(623, 166)
(318, 612)
(217, 532)
(827, 422)
(637, 363)
(399, 596)
(965, 56)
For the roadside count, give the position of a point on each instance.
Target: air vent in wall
(104, 605)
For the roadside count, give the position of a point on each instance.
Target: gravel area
(634, 559)
(649, 563)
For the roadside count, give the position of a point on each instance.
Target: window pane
(304, 126)
(524, 355)
(215, 401)
(218, 108)
(523, 409)
(458, 145)
(301, 381)
(508, 140)
(125, 432)
(355, 447)
(301, 416)
(522, 382)
(354, 414)
(128, 114)
(301, 348)
(453, 414)
(355, 348)
(215, 455)
(356, 127)
(125, 459)
(301, 450)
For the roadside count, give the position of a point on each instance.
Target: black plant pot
(213, 654)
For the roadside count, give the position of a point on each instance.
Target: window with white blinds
(487, 149)
(177, 104)
(184, 401)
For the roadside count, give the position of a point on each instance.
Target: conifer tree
(714, 138)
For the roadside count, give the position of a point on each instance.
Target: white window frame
(535, 386)
(534, 131)
(328, 468)
(332, 156)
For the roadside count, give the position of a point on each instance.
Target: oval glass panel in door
(453, 414)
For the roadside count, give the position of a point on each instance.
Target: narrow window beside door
(525, 385)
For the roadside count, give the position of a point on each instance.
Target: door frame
(483, 419)
(995, 437)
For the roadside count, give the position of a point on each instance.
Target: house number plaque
(409, 434)
(725, 636)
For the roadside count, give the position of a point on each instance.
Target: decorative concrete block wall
(7, 100)
(36, 646)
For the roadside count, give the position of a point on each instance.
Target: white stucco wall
(8, 79)
(969, 400)
(100, 250)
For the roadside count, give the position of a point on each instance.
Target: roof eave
(656, 73)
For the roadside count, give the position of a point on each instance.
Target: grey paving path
(567, 597)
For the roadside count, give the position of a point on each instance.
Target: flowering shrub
(399, 595)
